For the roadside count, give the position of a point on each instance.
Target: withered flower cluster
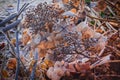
(42, 16)
(75, 45)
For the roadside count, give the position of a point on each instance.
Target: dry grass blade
(103, 60)
(101, 19)
(114, 49)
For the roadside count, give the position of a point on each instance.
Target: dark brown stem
(101, 19)
(114, 50)
(108, 2)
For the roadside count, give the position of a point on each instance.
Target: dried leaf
(55, 73)
(101, 5)
(43, 66)
(42, 52)
(50, 44)
(38, 73)
(71, 67)
(11, 64)
(31, 65)
(66, 44)
(73, 10)
(46, 45)
(25, 38)
(114, 24)
(50, 72)
(77, 67)
(59, 71)
(75, 3)
(84, 67)
(13, 41)
(42, 45)
(2, 45)
(99, 30)
(58, 64)
(49, 26)
(49, 63)
(5, 73)
(87, 32)
(65, 1)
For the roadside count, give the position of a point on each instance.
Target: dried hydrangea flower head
(42, 17)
